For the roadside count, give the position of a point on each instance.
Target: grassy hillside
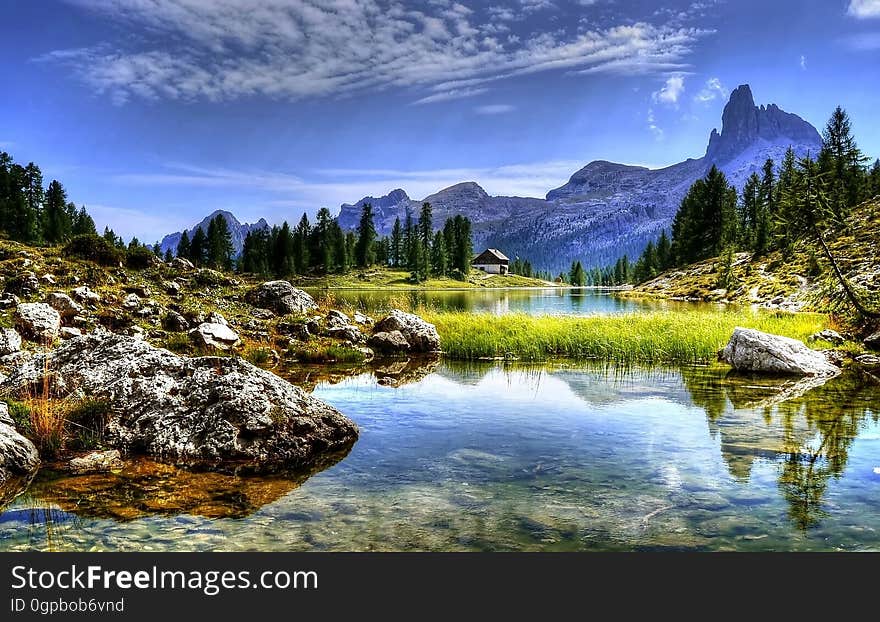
(791, 281)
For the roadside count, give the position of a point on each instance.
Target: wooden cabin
(492, 261)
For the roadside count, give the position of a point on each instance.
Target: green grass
(657, 337)
(332, 353)
(380, 278)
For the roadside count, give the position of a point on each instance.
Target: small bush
(258, 356)
(179, 343)
(94, 248)
(86, 423)
(21, 415)
(140, 258)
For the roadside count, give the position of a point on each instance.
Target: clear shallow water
(516, 458)
(500, 301)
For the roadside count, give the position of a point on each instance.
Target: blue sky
(153, 113)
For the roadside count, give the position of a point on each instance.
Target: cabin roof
(491, 256)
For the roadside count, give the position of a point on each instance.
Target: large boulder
(754, 351)
(10, 341)
(281, 297)
(64, 304)
(86, 295)
(200, 410)
(38, 320)
(18, 456)
(420, 335)
(175, 322)
(214, 335)
(389, 343)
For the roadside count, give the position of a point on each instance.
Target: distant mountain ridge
(607, 209)
(238, 230)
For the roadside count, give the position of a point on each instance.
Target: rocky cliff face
(238, 230)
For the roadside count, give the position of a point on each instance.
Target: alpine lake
(505, 456)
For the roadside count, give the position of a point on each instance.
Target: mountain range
(238, 230)
(606, 210)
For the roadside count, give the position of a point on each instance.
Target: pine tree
(28, 225)
(283, 251)
(56, 219)
(706, 220)
(439, 257)
(301, 236)
(183, 247)
(341, 257)
(786, 203)
(874, 181)
(169, 256)
(396, 243)
(83, 224)
(221, 252)
(364, 253)
(198, 248)
(426, 225)
(321, 247)
(842, 162)
(749, 208)
(464, 249)
(664, 255)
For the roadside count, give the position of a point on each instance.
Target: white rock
(38, 320)
(64, 304)
(10, 341)
(215, 336)
(754, 351)
(84, 294)
(68, 332)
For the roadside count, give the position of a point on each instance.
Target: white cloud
(492, 109)
(803, 63)
(712, 90)
(864, 9)
(450, 95)
(671, 91)
(220, 51)
(656, 130)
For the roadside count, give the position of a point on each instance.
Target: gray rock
(217, 336)
(63, 304)
(18, 456)
(204, 409)
(870, 361)
(10, 341)
(337, 319)
(831, 336)
(25, 284)
(131, 302)
(181, 264)
(136, 332)
(38, 320)
(873, 341)
(281, 297)
(360, 318)
(262, 314)
(754, 351)
(86, 295)
(216, 318)
(49, 279)
(172, 288)
(346, 333)
(175, 322)
(419, 334)
(297, 330)
(68, 332)
(96, 462)
(392, 342)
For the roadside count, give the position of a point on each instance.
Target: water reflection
(577, 301)
(516, 457)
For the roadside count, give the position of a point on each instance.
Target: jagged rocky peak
(237, 230)
(744, 124)
(469, 190)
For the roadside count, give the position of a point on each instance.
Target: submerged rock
(281, 297)
(38, 320)
(96, 462)
(754, 351)
(419, 334)
(200, 410)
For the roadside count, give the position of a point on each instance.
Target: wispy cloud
(712, 90)
(493, 109)
(671, 91)
(864, 9)
(656, 130)
(803, 63)
(220, 51)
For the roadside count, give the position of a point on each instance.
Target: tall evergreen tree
(56, 226)
(439, 256)
(341, 257)
(219, 244)
(426, 225)
(198, 248)
(283, 251)
(183, 248)
(842, 162)
(464, 249)
(364, 254)
(664, 256)
(321, 246)
(706, 220)
(396, 243)
(83, 224)
(301, 235)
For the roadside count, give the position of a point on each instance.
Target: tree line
(33, 214)
(324, 248)
(802, 200)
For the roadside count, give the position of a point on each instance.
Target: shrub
(179, 343)
(140, 258)
(329, 354)
(86, 423)
(94, 248)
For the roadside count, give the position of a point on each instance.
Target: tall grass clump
(652, 337)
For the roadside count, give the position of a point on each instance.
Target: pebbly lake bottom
(503, 457)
